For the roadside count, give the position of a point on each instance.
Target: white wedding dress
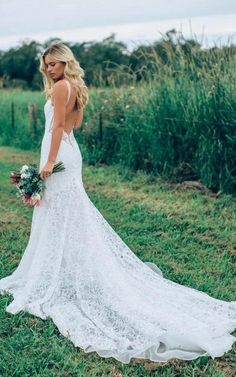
(77, 271)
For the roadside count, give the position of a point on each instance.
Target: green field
(189, 234)
(178, 123)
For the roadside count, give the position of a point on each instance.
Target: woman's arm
(59, 96)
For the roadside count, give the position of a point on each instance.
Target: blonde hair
(72, 71)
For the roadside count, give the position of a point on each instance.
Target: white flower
(24, 175)
(36, 196)
(24, 168)
(127, 106)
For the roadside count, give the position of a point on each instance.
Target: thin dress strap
(69, 91)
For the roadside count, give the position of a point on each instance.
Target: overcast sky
(133, 21)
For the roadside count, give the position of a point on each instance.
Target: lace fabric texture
(77, 271)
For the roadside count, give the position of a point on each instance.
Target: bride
(76, 269)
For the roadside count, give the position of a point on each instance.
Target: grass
(189, 234)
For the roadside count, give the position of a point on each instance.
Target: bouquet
(30, 186)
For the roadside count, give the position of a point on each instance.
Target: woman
(78, 271)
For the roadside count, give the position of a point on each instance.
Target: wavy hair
(72, 71)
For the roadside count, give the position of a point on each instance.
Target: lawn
(189, 233)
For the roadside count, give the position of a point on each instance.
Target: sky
(133, 21)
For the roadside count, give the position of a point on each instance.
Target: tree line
(110, 62)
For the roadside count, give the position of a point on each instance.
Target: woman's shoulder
(60, 87)
(60, 83)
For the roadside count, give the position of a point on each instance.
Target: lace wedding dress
(77, 271)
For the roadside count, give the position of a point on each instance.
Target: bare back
(73, 117)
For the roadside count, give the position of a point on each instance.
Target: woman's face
(54, 67)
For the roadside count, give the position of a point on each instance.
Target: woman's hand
(47, 170)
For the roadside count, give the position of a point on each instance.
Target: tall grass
(177, 121)
(183, 112)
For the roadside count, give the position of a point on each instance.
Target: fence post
(100, 128)
(12, 115)
(32, 118)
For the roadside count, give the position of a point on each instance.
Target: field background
(168, 110)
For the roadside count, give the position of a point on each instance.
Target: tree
(21, 62)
